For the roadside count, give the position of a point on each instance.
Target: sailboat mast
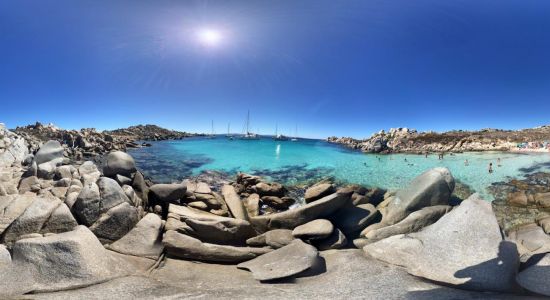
(276, 128)
(248, 122)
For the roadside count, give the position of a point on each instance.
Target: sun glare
(209, 37)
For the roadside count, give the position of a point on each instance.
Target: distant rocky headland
(405, 140)
(73, 228)
(88, 142)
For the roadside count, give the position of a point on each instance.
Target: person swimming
(498, 162)
(490, 168)
(466, 163)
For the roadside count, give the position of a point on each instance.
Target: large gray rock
(89, 169)
(318, 191)
(464, 248)
(51, 151)
(536, 277)
(314, 230)
(118, 162)
(412, 223)
(111, 194)
(184, 246)
(11, 207)
(291, 218)
(60, 220)
(275, 238)
(32, 220)
(252, 205)
(234, 202)
(209, 227)
(66, 260)
(168, 193)
(284, 262)
(116, 222)
(13, 148)
(46, 170)
(87, 205)
(352, 219)
(144, 240)
(5, 256)
(531, 239)
(222, 231)
(433, 187)
(336, 240)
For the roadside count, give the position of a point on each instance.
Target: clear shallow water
(293, 162)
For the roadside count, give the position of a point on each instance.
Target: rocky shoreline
(88, 142)
(405, 140)
(71, 228)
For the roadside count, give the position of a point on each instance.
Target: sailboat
(212, 136)
(249, 135)
(295, 138)
(229, 136)
(279, 137)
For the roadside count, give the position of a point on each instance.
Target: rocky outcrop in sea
(411, 141)
(76, 229)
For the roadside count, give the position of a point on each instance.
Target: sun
(209, 37)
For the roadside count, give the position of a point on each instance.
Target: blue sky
(331, 67)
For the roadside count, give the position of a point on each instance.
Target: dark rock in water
(119, 162)
(284, 262)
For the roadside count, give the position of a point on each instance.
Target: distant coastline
(405, 140)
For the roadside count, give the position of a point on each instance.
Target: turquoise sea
(294, 162)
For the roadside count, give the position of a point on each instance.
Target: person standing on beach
(490, 168)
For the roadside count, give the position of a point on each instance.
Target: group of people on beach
(534, 146)
(440, 156)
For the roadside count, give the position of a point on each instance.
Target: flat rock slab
(287, 261)
(464, 248)
(316, 229)
(184, 246)
(291, 218)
